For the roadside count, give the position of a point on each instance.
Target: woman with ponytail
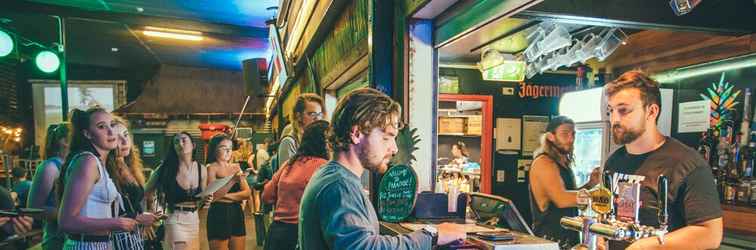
(41, 194)
(87, 194)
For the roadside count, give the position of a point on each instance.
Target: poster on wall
(47, 100)
(507, 135)
(523, 166)
(693, 117)
(534, 127)
(448, 84)
(148, 148)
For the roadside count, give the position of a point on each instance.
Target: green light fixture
(47, 61)
(6, 44)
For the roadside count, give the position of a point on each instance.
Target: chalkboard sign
(396, 193)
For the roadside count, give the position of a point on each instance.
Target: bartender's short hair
(637, 79)
(365, 108)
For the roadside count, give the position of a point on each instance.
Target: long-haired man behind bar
(334, 212)
(554, 193)
(695, 216)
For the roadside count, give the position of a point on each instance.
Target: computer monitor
(498, 211)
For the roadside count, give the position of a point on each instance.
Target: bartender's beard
(563, 148)
(623, 135)
(565, 152)
(564, 156)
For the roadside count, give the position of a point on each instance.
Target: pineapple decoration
(722, 102)
(406, 143)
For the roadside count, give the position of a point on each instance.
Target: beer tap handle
(662, 186)
(609, 185)
(663, 190)
(608, 180)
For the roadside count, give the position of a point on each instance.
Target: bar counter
(521, 241)
(739, 219)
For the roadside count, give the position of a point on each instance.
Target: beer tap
(601, 225)
(608, 183)
(662, 185)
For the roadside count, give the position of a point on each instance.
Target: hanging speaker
(254, 83)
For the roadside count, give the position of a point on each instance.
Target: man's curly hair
(365, 108)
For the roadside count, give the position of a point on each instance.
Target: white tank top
(99, 203)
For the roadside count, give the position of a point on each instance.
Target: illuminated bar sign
(508, 71)
(537, 91)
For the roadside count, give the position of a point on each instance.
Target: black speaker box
(255, 84)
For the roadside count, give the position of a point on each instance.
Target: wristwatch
(433, 232)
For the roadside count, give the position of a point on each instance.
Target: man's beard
(563, 149)
(364, 157)
(621, 135)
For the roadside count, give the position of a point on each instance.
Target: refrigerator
(588, 109)
(593, 141)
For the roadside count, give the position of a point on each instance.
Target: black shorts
(225, 220)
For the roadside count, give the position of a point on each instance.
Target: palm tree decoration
(406, 143)
(722, 101)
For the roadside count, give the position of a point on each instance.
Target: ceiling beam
(466, 17)
(718, 17)
(136, 20)
(506, 34)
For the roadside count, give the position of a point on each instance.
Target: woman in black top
(177, 180)
(225, 219)
(129, 179)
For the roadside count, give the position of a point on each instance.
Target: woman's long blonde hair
(133, 162)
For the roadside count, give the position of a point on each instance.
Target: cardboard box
(474, 125)
(451, 125)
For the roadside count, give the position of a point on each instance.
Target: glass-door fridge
(587, 108)
(591, 149)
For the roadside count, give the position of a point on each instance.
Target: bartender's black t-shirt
(692, 197)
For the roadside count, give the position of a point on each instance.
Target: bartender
(695, 218)
(554, 193)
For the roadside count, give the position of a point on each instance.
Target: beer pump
(607, 223)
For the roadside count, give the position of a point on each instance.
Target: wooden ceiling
(655, 51)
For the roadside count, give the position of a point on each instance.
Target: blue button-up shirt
(335, 214)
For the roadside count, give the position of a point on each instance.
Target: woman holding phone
(129, 179)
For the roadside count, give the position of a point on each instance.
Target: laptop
(492, 210)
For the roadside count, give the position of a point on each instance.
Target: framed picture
(47, 100)
(448, 84)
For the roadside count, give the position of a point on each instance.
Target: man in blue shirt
(22, 185)
(334, 212)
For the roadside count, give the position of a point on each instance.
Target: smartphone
(30, 212)
(25, 211)
(7, 213)
(496, 236)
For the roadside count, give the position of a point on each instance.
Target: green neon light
(739, 62)
(6, 44)
(47, 61)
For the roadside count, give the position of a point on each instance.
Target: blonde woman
(129, 179)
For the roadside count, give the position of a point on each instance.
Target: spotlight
(6, 44)
(47, 61)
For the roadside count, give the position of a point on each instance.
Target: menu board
(396, 193)
(533, 127)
